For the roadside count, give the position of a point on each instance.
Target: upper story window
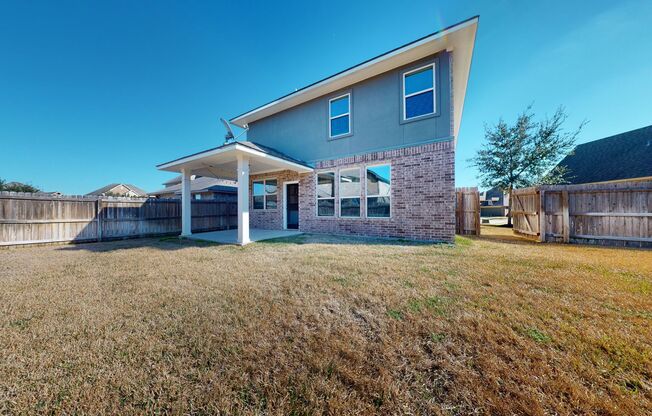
(339, 120)
(265, 194)
(419, 92)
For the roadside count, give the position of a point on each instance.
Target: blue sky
(93, 93)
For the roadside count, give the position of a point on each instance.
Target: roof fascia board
(234, 147)
(238, 120)
(193, 157)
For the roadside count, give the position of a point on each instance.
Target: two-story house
(368, 151)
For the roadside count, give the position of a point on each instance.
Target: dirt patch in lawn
(320, 324)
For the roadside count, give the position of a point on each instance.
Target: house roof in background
(623, 156)
(199, 184)
(109, 187)
(459, 37)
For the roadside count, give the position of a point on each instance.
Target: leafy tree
(17, 187)
(526, 153)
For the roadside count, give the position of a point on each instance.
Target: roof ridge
(616, 135)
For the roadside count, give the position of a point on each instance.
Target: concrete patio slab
(231, 236)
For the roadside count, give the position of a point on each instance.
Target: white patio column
(186, 210)
(243, 200)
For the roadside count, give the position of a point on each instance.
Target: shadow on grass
(172, 243)
(169, 243)
(502, 234)
(330, 239)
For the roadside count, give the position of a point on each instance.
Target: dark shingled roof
(623, 156)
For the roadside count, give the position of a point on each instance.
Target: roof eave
(235, 147)
(446, 39)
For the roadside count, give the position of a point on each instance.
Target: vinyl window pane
(325, 207)
(378, 180)
(270, 201)
(418, 81)
(270, 186)
(259, 188)
(259, 202)
(326, 185)
(339, 106)
(378, 207)
(339, 126)
(420, 104)
(350, 182)
(350, 207)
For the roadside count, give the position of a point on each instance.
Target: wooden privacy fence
(606, 214)
(28, 218)
(467, 211)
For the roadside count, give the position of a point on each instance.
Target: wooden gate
(526, 206)
(616, 213)
(467, 211)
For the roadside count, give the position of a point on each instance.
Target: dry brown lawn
(321, 324)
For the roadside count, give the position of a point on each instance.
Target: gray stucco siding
(376, 118)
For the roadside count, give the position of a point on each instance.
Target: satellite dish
(229, 133)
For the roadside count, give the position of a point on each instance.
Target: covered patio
(235, 161)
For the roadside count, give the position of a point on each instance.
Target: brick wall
(422, 196)
(270, 219)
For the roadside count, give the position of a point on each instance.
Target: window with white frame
(419, 92)
(339, 116)
(265, 194)
(378, 191)
(349, 192)
(326, 194)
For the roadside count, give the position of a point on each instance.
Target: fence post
(565, 217)
(99, 218)
(477, 212)
(460, 212)
(542, 216)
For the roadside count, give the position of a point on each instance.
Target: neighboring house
(119, 189)
(493, 203)
(200, 188)
(623, 157)
(368, 151)
(54, 194)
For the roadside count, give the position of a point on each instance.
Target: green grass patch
(463, 241)
(537, 335)
(435, 304)
(394, 314)
(437, 337)
(415, 305)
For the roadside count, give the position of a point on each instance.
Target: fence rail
(29, 218)
(604, 214)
